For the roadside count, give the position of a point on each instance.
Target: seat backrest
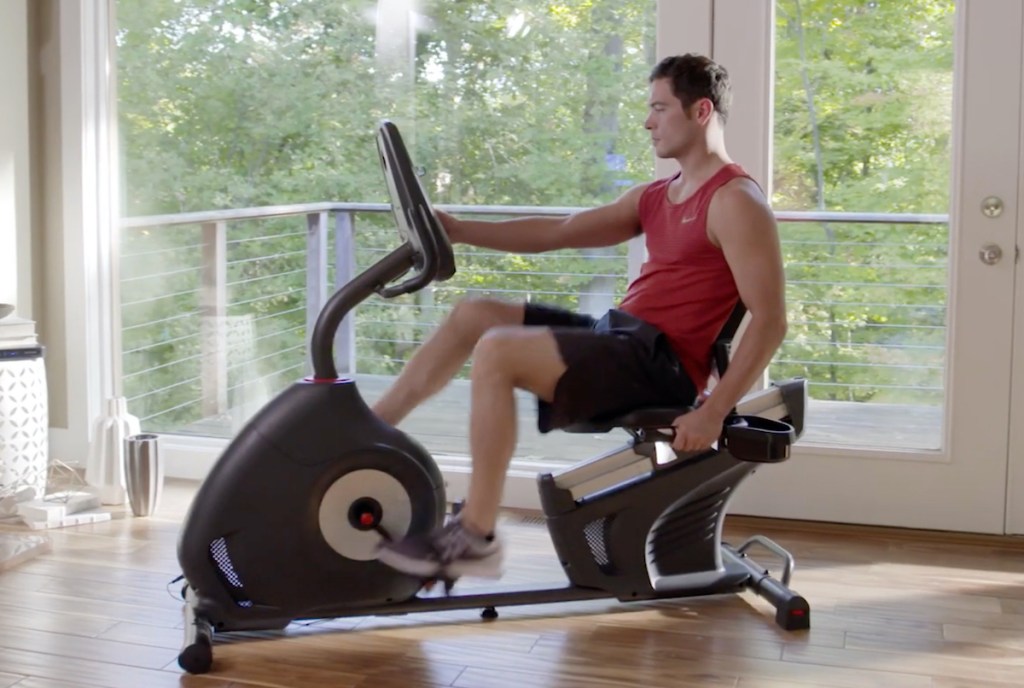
(723, 342)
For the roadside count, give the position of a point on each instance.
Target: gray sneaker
(450, 551)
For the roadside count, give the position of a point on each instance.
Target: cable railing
(217, 306)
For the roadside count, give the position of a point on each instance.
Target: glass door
(893, 149)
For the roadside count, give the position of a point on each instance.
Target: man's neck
(704, 159)
(697, 167)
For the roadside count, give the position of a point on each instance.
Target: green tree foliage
(232, 104)
(863, 104)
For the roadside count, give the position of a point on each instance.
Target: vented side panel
(596, 534)
(220, 556)
(686, 531)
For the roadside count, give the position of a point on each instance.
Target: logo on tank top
(687, 219)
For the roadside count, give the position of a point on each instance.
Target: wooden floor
(892, 609)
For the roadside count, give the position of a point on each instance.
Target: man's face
(672, 128)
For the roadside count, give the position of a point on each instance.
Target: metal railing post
(344, 271)
(213, 304)
(316, 273)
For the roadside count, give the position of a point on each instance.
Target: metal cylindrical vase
(143, 473)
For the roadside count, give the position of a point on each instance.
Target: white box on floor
(56, 506)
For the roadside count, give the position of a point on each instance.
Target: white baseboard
(190, 457)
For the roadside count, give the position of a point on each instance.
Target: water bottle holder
(757, 439)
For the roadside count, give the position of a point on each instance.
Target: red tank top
(685, 287)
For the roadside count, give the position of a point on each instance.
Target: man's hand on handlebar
(697, 430)
(452, 226)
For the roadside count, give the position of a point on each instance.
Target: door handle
(990, 254)
(992, 206)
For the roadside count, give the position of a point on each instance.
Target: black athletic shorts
(616, 364)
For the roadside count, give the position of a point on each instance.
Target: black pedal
(449, 583)
(430, 583)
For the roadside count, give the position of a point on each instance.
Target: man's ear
(705, 109)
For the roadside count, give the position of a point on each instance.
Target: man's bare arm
(605, 225)
(740, 221)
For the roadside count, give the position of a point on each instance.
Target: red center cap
(366, 518)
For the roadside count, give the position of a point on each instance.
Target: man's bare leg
(439, 359)
(505, 359)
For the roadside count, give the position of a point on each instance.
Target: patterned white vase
(24, 424)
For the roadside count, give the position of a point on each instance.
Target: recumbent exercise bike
(286, 525)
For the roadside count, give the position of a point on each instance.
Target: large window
(227, 105)
(863, 124)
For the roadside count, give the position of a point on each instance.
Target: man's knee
(496, 347)
(527, 357)
(473, 317)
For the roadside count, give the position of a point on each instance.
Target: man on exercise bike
(711, 239)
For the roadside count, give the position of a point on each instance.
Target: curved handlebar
(426, 250)
(415, 217)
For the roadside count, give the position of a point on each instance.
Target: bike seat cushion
(653, 417)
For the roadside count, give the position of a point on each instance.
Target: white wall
(77, 256)
(15, 217)
(50, 194)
